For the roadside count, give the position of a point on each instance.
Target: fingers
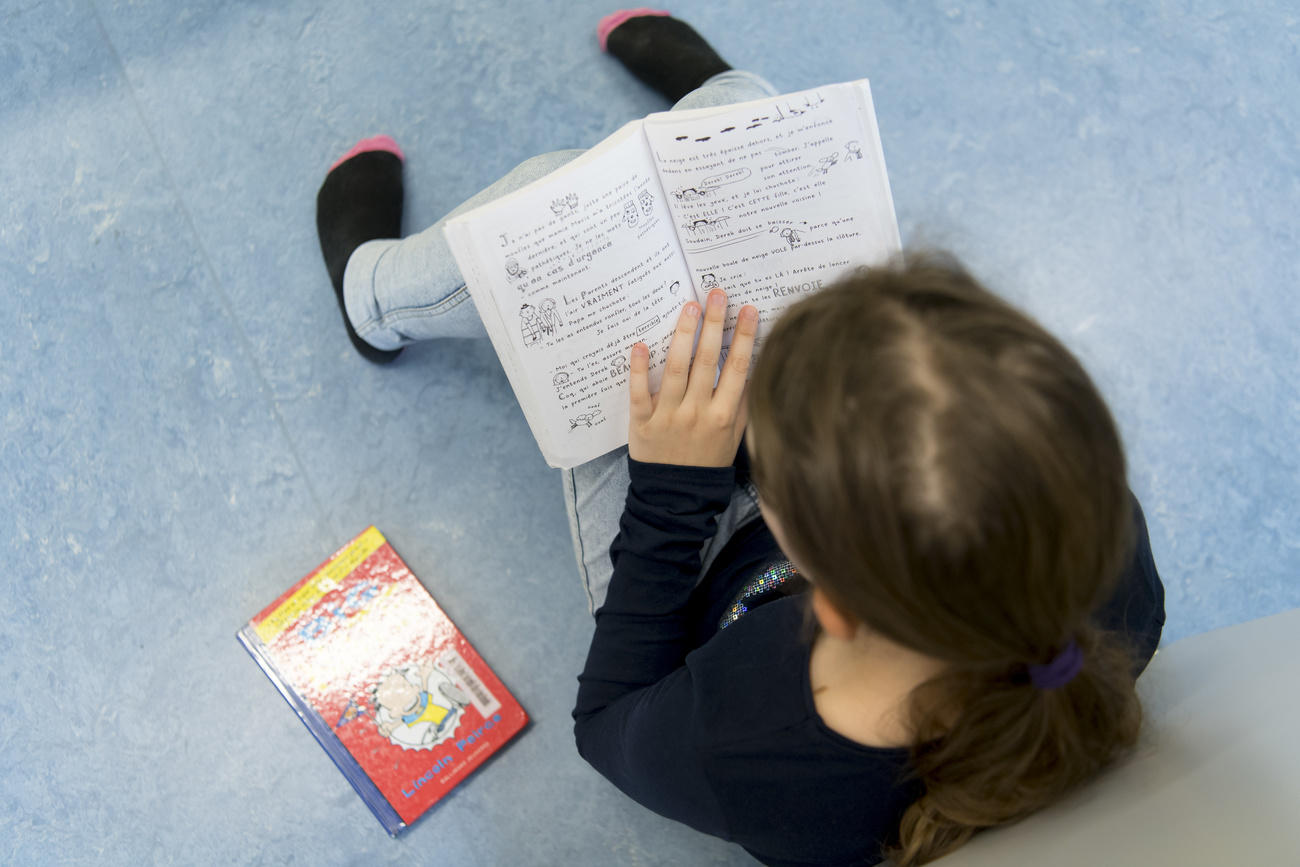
(731, 384)
(677, 366)
(684, 380)
(705, 369)
(639, 383)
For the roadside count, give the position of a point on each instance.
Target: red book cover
(385, 681)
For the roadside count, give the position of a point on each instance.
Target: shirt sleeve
(1136, 608)
(636, 698)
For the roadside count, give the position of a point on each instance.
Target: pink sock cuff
(375, 143)
(612, 20)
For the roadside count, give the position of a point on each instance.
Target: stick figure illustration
(790, 235)
(530, 324)
(589, 418)
(691, 194)
(550, 318)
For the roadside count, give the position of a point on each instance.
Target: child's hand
(689, 422)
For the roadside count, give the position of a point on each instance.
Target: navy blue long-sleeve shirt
(717, 728)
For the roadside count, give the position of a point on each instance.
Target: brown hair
(947, 474)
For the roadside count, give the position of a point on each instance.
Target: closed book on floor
(383, 679)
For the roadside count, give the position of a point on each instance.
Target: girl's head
(947, 476)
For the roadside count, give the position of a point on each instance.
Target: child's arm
(682, 443)
(641, 632)
(637, 702)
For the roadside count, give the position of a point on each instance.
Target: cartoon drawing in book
(550, 319)
(691, 194)
(825, 163)
(513, 271)
(565, 206)
(416, 706)
(709, 281)
(853, 151)
(791, 236)
(530, 324)
(705, 225)
(647, 202)
(589, 418)
(630, 215)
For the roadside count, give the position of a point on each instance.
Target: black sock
(665, 53)
(360, 200)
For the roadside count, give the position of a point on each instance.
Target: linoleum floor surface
(184, 429)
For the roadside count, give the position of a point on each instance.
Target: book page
(775, 199)
(567, 274)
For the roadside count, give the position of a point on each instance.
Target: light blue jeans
(401, 292)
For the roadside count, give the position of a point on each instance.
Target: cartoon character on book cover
(417, 706)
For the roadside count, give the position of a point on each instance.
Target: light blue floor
(184, 428)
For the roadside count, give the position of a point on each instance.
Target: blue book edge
(324, 735)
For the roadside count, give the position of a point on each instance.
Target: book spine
(324, 735)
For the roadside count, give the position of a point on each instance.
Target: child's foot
(663, 52)
(360, 200)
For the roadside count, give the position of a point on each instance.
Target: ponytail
(1013, 747)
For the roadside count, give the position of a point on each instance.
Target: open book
(769, 200)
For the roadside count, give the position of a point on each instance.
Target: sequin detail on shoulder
(774, 580)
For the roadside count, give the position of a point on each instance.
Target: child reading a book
(933, 620)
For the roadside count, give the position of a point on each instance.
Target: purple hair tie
(1060, 670)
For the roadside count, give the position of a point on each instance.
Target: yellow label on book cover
(328, 578)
